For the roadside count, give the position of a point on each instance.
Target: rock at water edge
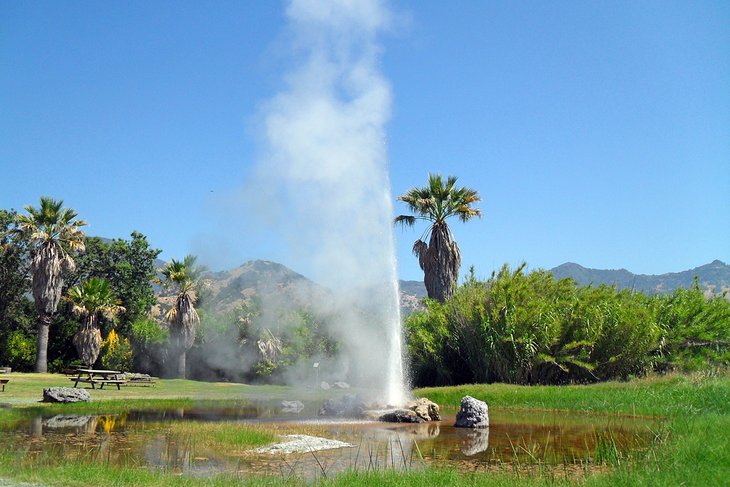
(425, 409)
(401, 416)
(65, 394)
(473, 414)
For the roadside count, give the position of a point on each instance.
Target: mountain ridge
(277, 283)
(713, 278)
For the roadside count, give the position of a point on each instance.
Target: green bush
(20, 351)
(116, 352)
(530, 328)
(696, 330)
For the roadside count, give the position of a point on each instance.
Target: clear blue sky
(596, 132)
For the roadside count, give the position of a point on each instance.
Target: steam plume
(325, 165)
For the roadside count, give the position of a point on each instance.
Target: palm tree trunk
(87, 341)
(181, 372)
(41, 358)
(441, 265)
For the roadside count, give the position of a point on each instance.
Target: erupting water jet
(325, 164)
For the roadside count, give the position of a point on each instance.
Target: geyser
(325, 167)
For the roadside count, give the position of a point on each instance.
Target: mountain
(413, 288)
(277, 284)
(714, 278)
(273, 282)
(265, 279)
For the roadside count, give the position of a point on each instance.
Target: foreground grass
(691, 448)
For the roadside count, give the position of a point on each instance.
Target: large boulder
(400, 416)
(425, 409)
(473, 414)
(65, 394)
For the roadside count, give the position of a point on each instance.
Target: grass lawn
(692, 446)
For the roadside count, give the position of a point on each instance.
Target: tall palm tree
(53, 234)
(90, 300)
(440, 258)
(183, 277)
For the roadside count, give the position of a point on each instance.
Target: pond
(193, 441)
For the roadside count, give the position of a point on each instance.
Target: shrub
(20, 351)
(116, 352)
(529, 328)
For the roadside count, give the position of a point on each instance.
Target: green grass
(654, 396)
(691, 445)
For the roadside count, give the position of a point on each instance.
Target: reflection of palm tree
(52, 233)
(182, 276)
(435, 202)
(90, 300)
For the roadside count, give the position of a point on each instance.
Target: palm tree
(440, 259)
(90, 300)
(183, 277)
(53, 234)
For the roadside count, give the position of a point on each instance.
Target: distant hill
(265, 279)
(278, 284)
(714, 278)
(413, 288)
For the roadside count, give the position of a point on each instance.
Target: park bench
(143, 380)
(3, 382)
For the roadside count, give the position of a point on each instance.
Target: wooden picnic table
(98, 376)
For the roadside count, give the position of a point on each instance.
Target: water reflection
(473, 441)
(185, 441)
(78, 424)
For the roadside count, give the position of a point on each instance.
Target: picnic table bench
(134, 379)
(96, 376)
(3, 382)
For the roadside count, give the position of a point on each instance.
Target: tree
(440, 259)
(53, 234)
(128, 265)
(91, 300)
(183, 277)
(16, 310)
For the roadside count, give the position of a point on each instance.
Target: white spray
(325, 168)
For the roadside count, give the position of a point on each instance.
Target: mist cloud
(321, 188)
(325, 163)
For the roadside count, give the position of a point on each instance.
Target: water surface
(182, 441)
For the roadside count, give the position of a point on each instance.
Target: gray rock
(401, 416)
(341, 385)
(65, 394)
(292, 406)
(324, 386)
(473, 414)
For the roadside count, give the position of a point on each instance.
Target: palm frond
(405, 220)
(420, 250)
